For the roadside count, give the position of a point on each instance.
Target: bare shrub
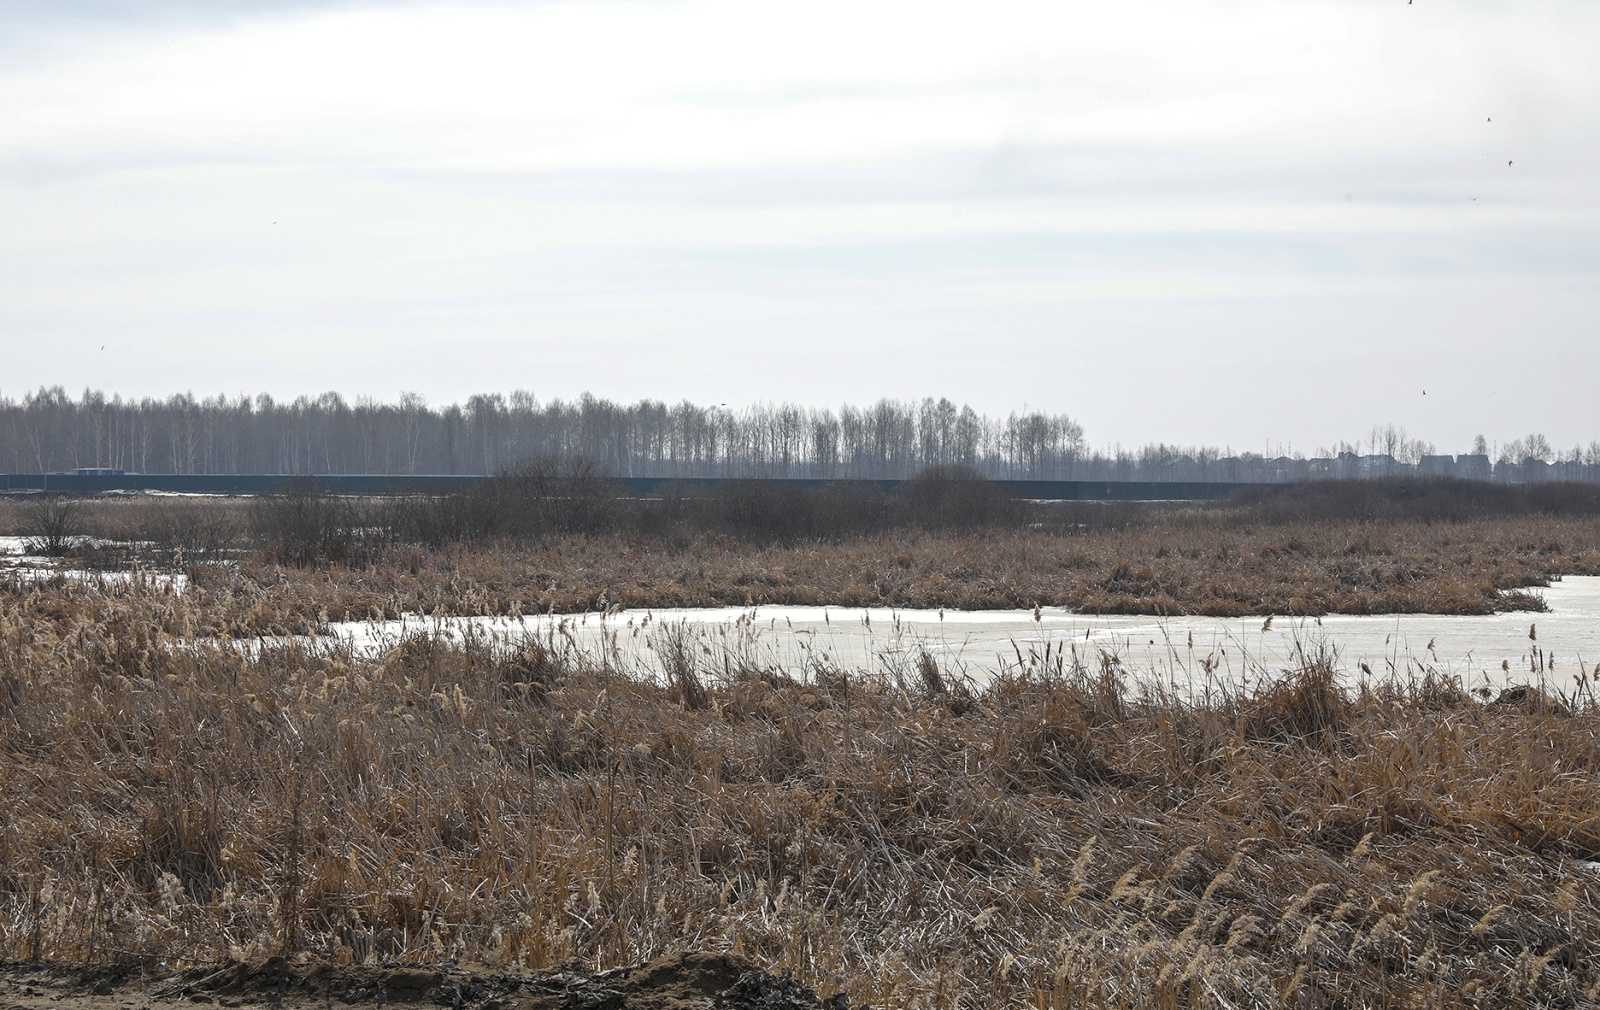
(471, 515)
(305, 527)
(765, 510)
(548, 496)
(54, 525)
(954, 497)
(195, 532)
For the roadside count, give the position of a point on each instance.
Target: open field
(1053, 839)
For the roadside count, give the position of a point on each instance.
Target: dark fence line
(233, 484)
(637, 487)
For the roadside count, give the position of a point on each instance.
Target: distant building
(1378, 465)
(1286, 468)
(1569, 471)
(1436, 466)
(1474, 466)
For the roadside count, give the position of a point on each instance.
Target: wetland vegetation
(1057, 838)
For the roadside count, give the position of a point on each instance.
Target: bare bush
(548, 496)
(954, 497)
(471, 515)
(191, 531)
(306, 527)
(54, 525)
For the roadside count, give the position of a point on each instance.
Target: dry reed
(1055, 840)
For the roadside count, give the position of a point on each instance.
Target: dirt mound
(689, 981)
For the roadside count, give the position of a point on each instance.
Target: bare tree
(1538, 447)
(48, 430)
(412, 407)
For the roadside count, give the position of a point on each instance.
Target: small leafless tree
(55, 523)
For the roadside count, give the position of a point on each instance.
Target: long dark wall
(379, 484)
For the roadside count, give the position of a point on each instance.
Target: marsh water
(1490, 650)
(1482, 651)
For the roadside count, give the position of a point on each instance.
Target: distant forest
(50, 431)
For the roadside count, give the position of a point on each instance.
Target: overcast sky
(1195, 221)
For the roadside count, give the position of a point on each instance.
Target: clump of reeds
(1059, 841)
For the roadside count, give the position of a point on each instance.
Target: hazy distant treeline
(49, 431)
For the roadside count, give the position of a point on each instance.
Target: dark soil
(689, 981)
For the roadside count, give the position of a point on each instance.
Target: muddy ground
(681, 982)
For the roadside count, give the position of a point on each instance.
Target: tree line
(48, 431)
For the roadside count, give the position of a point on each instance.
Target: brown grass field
(1172, 560)
(1053, 840)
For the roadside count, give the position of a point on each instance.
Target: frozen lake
(16, 563)
(1482, 650)
(1489, 650)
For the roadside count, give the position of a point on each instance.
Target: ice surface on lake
(1487, 650)
(16, 563)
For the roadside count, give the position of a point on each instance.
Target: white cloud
(554, 168)
(729, 84)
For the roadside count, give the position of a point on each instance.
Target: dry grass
(1055, 840)
(1161, 560)
(1301, 569)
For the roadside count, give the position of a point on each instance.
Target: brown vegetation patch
(1052, 840)
(1474, 568)
(291, 564)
